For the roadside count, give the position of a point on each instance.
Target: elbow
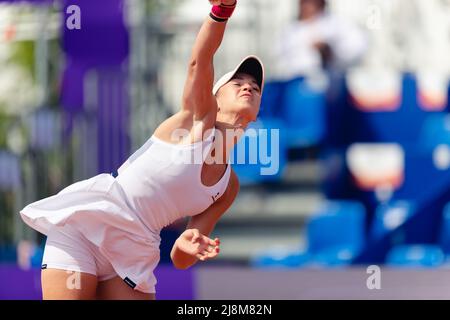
(199, 63)
(193, 63)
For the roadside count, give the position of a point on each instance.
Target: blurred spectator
(422, 31)
(406, 36)
(317, 41)
(424, 27)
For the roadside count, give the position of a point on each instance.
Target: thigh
(117, 289)
(69, 268)
(68, 285)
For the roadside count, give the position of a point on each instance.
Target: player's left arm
(194, 243)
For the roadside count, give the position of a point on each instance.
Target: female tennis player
(103, 233)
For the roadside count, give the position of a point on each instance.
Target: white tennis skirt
(98, 208)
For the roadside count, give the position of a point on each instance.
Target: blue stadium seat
(272, 99)
(390, 216)
(424, 255)
(280, 258)
(415, 256)
(384, 126)
(336, 233)
(260, 156)
(435, 131)
(335, 256)
(304, 113)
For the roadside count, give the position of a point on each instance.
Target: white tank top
(162, 181)
(123, 215)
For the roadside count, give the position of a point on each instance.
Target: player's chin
(246, 103)
(248, 108)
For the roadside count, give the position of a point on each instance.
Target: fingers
(207, 248)
(208, 254)
(211, 249)
(196, 235)
(213, 253)
(210, 241)
(203, 256)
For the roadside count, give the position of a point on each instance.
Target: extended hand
(194, 243)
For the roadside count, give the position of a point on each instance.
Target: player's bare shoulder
(183, 128)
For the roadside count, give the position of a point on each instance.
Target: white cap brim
(251, 65)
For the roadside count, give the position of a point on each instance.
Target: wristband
(223, 12)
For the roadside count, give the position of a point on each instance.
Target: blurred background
(359, 90)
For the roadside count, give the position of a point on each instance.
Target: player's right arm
(198, 99)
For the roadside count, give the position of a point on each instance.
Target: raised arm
(197, 95)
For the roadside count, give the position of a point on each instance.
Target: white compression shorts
(67, 249)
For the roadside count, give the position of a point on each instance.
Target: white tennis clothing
(67, 249)
(123, 216)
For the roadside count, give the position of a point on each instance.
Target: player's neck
(226, 137)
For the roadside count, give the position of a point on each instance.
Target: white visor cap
(251, 65)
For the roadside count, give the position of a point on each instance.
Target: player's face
(242, 96)
(310, 8)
